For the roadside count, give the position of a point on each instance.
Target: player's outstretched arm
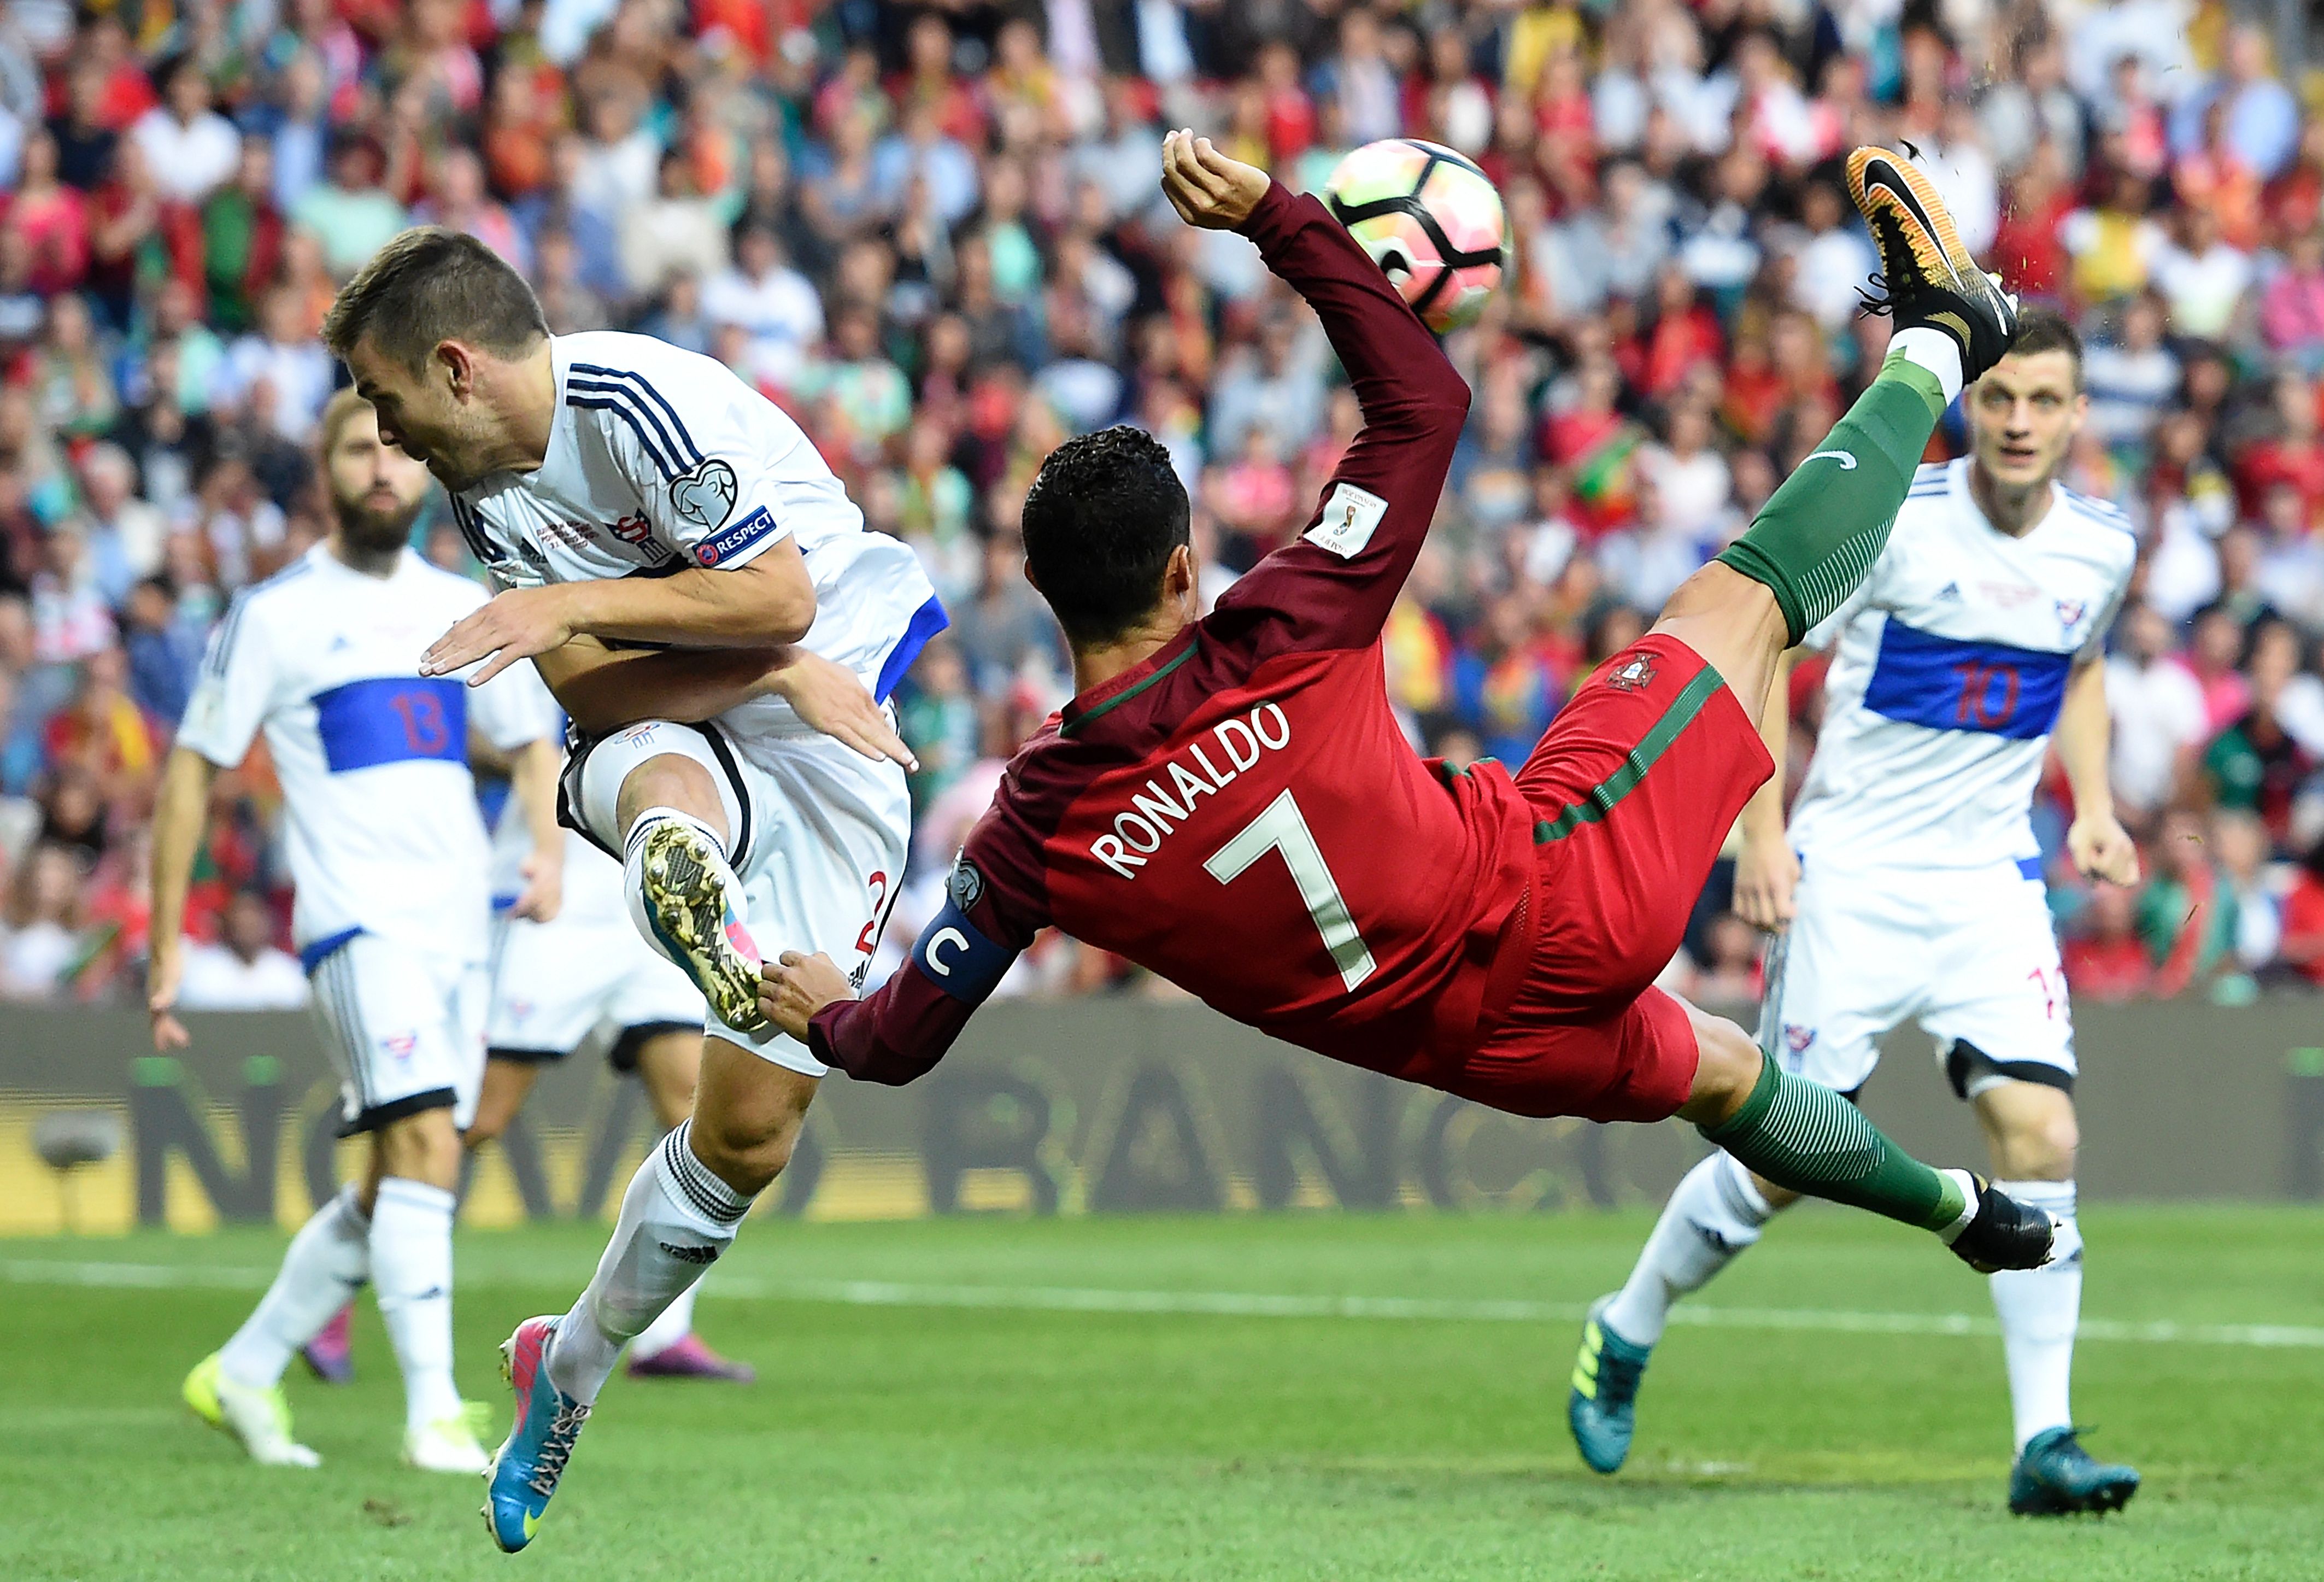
(603, 689)
(995, 903)
(766, 601)
(1767, 870)
(1339, 579)
(179, 814)
(533, 772)
(2097, 841)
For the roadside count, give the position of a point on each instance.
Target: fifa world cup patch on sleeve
(726, 544)
(1351, 516)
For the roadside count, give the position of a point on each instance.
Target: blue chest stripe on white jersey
(393, 719)
(926, 621)
(1950, 684)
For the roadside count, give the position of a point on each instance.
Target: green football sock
(1801, 1135)
(1818, 535)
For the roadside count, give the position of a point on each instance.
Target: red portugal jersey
(1241, 813)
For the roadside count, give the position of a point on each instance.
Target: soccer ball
(1430, 218)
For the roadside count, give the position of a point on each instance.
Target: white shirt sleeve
(700, 469)
(235, 691)
(514, 708)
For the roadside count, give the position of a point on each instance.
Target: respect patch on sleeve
(1351, 516)
(731, 541)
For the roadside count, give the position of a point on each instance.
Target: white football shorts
(816, 832)
(403, 1028)
(1970, 955)
(556, 983)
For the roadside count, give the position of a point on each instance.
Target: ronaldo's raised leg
(1818, 535)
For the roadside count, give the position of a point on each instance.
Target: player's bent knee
(2041, 1147)
(1727, 1069)
(2035, 1136)
(422, 1147)
(673, 779)
(747, 1157)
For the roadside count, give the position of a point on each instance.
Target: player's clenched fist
(1206, 188)
(2103, 849)
(516, 624)
(792, 989)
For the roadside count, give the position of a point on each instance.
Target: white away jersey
(384, 836)
(661, 459)
(1951, 665)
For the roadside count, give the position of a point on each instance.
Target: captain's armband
(953, 952)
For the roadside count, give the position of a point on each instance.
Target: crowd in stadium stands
(933, 236)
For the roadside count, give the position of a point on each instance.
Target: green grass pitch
(1194, 1399)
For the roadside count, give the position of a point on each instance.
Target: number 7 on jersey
(1282, 827)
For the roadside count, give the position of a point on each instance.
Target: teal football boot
(2055, 1476)
(1602, 1408)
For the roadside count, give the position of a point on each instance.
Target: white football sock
(676, 1323)
(2040, 1309)
(1934, 350)
(411, 1273)
(329, 1260)
(1715, 1213)
(677, 1218)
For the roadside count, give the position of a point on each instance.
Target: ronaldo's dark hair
(1100, 523)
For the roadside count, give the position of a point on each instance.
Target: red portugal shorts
(1634, 788)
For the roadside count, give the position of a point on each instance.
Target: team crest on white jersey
(1797, 1037)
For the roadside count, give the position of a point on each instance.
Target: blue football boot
(525, 1469)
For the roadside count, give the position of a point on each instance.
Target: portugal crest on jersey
(1632, 673)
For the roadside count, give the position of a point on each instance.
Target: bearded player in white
(388, 852)
(586, 973)
(625, 492)
(1910, 885)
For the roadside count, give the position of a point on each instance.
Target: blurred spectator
(2256, 765)
(2187, 914)
(2103, 956)
(348, 210)
(2159, 717)
(189, 147)
(243, 970)
(2303, 945)
(39, 925)
(776, 305)
(2131, 377)
(2260, 118)
(2240, 844)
